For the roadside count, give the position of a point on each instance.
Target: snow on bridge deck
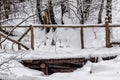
(70, 53)
(62, 53)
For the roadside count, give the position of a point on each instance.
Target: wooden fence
(106, 25)
(18, 42)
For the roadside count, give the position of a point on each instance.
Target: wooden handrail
(67, 26)
(31, 29)
(8, 38)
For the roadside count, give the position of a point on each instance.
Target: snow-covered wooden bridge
(49, 66)
(67, 62)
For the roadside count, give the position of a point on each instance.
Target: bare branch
(19, 25)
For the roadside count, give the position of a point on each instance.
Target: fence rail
(67, 26)
(106, 25)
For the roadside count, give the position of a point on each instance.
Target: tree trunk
(109, 10)
(100, 12)
(63, 10)
(87, 5)
(51, 12)
(0, 10)
(6, 8)
(109, 14)
(46, 20)
(39, 10)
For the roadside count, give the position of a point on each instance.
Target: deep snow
(67, 46)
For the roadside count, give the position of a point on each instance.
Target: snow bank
(14, 69)
(105, 67)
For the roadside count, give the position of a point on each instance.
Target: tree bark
(100, 12)
(63, 10)
(39, 10)
(109, 10)
(109, 14)
(51, 12)
(46, 20)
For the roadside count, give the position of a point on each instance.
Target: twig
(18, 25)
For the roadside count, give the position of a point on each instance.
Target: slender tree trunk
(6, 8)
(6, 4)
(109, 14)
(51, 12)
(0, 10)
(52, 19)
(46, 20)
(100, 12)
(39, 10)
(109, 10)
(63, 10)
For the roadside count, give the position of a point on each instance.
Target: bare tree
(51, 12)
(63, 9)
(100, 12)
(39, 7)
(83, 9)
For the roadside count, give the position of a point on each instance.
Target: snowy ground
(67, 46)
(13, 70)
(102, 70)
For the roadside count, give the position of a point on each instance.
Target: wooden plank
(65, 60)
(60, 26)
(59, 61)
(67, 26)
(32, 37)
(107, 29)
(46, 70)
(63, 70)
(82, 38)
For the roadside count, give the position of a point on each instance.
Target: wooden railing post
(82, 38)
(107, 29)
(32, 37)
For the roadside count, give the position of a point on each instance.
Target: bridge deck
(49, 66)
(66, 61)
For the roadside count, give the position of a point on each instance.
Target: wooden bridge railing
(31, 29)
